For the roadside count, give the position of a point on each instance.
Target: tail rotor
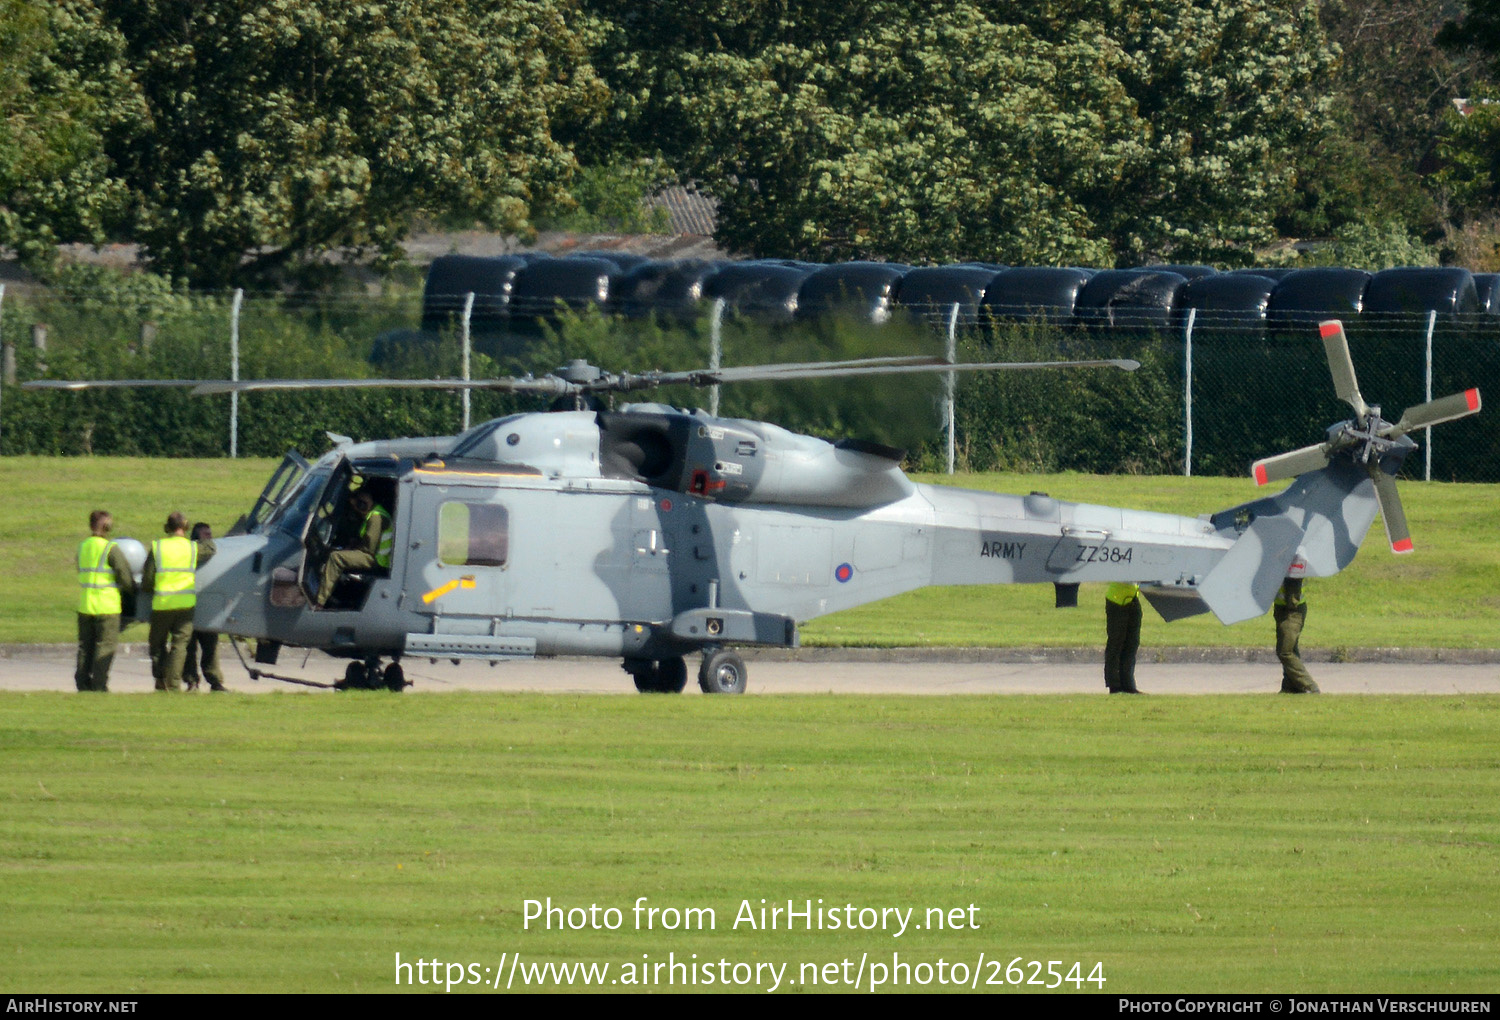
(1376, 445)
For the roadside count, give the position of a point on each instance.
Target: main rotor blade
(839, 370)
(1290, 465)
(1457, 405)
(105, 384)
(546, 385)
(1336, 346)
(1396, 531)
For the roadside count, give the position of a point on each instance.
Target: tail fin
(1318, 522)
(1243, 584)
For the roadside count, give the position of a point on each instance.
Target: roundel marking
(843, 572)
(666, 505)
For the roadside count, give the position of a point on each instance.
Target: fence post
(1427, 439)
(715, 352)
(39, 341)
(468, 346)
(234, 372)
(1187, 392)
(950, 384)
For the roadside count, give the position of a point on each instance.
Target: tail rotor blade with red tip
(1290, 465)
(1396, 531)
(1458, 405)
(1336, 346)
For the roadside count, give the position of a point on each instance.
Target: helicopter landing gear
(369, 676)
(658, 676)
(722, 672)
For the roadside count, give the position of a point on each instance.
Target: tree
(275, 132)
(1084, 131)
(61, 85)
(1389, 96)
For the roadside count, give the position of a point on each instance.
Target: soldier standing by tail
(169, 578)
(1290, 613)
(103, 577)
(1122, 625)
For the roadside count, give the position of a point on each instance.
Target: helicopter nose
(231, 587)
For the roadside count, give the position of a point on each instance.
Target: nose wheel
(370, 676)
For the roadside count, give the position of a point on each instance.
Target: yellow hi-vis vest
(176, 559)
(99, 594)
(1121, 593)
(387, 540)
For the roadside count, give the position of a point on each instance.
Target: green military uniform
(1290, 613)
(203, 650)
(169, 577)
(1122, 625)
(374, 550)
(103, 576)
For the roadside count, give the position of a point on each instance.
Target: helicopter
(650, 533)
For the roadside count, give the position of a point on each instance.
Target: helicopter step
(470, 646)
(739, 625)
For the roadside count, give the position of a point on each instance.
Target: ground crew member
(1290, 613)
(204, 647)
(1122, 626)
(103, 577)
(169, 578)
(376, 541)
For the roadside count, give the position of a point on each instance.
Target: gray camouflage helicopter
(650, 533)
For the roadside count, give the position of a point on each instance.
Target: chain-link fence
(1214, 391)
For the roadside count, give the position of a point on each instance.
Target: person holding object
(103, 578)
(1290, 613)
(169, 577)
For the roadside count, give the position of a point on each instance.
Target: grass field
(1185, 844)
(1447, 594)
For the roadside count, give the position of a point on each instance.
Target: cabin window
(473, 535)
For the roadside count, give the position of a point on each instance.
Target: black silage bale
(1129, 298)
(1414, 291)
(1308, 296)
(1034, 292)
(931, 291)
(669, 288)
(451, 277)
(575, 282)
(863, 289)
(764, 290)
(1233, 302)
(1487, 292)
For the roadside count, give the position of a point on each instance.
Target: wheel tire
(662, 676)
(722, 672)
(355, 677)
(395, 678)
(671, 674)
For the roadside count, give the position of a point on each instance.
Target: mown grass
(1446, 594)
(292, 843)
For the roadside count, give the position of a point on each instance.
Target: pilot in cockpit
(372, 547)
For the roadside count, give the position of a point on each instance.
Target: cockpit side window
(473, 534)
(293, 515)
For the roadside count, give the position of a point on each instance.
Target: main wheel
(672, 674)
(722, 672)
(395, 678)
(661, 676)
